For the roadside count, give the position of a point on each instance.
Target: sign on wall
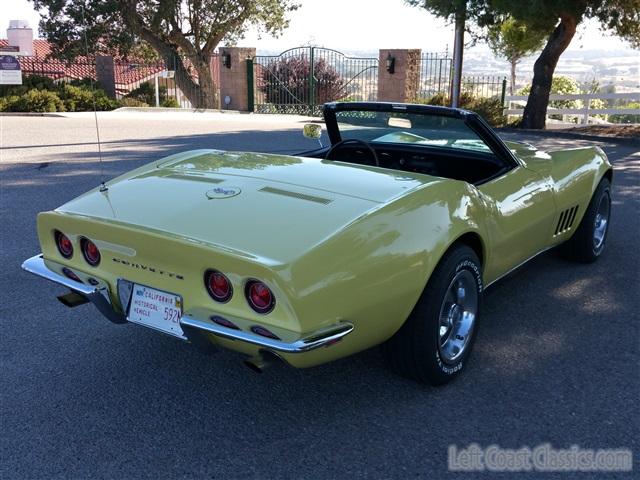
(10, 73)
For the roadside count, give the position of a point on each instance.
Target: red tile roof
(126, 72)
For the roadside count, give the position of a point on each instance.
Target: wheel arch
(473, 240)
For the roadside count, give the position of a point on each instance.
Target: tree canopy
(185, 32)
(512, 40)
(560, 17)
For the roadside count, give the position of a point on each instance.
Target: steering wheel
(349, 141)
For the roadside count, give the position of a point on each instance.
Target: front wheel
(434, 343)
(587, 243)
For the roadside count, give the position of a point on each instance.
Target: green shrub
(76, 99)
(146, 93)
(489, 108)
(170, 102)
(626, 117)
(81, 99)
(31, 82)
(6, 103)
(37, 101)
(132, 102)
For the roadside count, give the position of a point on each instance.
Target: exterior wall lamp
(226, 59)
(391, 64)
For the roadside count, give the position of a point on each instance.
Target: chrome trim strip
(318, 339)
(195, 330)
(95, 295)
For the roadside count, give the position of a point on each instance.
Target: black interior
(471, 167)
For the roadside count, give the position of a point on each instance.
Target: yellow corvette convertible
(387, 236)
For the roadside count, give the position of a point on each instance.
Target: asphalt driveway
(557, 359)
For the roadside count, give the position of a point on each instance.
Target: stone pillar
(105, 74)
(401, 85)
(233, 79)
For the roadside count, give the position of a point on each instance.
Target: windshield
(409, 128)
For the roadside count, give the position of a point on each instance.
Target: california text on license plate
(156, 309)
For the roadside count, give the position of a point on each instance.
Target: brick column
(402, 85)
(233, 80)
(105, 74)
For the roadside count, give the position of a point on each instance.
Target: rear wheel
(435, 341)
(588, 242)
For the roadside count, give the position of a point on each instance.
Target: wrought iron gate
(301, 79)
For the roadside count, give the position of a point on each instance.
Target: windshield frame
(472, 120)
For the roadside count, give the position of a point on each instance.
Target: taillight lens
(218, 286)
(90, 252)
(259, 296)
(70, 274)
(224, 322)
(264, 332)
(65, 247)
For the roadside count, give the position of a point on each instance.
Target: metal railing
(435, 74)
(301, 80)
(485, 86)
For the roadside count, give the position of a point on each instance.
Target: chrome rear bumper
(195, 329)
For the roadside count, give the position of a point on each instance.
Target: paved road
(557, 357)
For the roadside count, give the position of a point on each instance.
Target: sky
(353, 26)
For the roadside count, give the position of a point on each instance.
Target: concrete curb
(31, 114)
(176, 110)
(572, 135)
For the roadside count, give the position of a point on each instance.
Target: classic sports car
(387, 236)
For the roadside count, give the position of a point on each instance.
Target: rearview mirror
(312, 131)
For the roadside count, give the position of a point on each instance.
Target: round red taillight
(218, 286)
(90, 252)
(65, 247)
(259, 296)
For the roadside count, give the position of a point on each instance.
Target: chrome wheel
(457, 316)
(601, 223)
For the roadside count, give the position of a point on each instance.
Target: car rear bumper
(196, 329)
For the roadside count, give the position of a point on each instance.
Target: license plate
(156, 309)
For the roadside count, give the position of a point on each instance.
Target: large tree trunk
(202, 93)
(536, 110)
(514, 63)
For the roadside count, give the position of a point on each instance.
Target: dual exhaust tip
(256, 364)
(262, 361)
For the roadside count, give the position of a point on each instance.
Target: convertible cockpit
(422, 139)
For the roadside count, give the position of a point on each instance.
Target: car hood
(272, 206)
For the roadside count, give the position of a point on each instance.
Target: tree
(560, 17)
(513, 40)
(184, 33)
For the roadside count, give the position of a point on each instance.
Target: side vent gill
(301, 196)
(565, 222)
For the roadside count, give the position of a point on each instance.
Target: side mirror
(313, 131)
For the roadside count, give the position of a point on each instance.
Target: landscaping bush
(132, 102)
(146, 93)
(79, 99)
(286, 81)
(488, 108)
(626, 117)
(37, 101)
(76, 96)
(170, 102)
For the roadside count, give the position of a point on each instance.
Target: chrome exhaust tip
(257, 363)
(73, 299)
